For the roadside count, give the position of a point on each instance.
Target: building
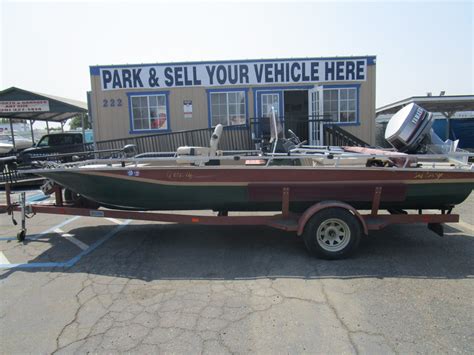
(128, 100)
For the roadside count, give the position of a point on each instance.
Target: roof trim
(424, 99)
(71, 107)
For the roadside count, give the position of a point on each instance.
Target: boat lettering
(428, 175)
(176, 175)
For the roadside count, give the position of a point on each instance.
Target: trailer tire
(79, 201)
(332, 233)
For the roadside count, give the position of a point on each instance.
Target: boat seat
(194, 151)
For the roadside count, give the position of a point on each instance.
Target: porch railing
(335, 135)
(234, 138)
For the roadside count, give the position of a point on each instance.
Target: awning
(21, 104)
(447, 105)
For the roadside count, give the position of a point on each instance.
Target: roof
(449, 103)
(58, 108)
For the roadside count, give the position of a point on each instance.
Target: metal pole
(83, 116)
(13, 135)
(47, 126)
(32, 133)
(62, 126)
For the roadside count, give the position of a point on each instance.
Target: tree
(76, 122)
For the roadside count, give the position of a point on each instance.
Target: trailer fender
(310, 212)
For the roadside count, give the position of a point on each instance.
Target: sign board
(24, 106)
(188, 108)
(235, 73)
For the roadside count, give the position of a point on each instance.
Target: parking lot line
(62, 224)
(109, 235)
(3, 259)
(113, 220)
(37, 197)
(467, 226)
(71, 262)
(37, 236)
(71, 238)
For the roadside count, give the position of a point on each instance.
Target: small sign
(188, 108)
(95, 213)
(24, 106)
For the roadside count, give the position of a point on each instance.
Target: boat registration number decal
(428, 175)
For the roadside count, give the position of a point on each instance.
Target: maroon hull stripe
(278, 175)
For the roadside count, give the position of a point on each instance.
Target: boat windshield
(276, 127)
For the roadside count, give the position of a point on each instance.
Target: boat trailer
(330, 229)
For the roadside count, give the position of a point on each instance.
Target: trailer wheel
(79, 201)
(332, 233)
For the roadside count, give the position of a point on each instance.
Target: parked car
(6, 144)
(56, 144)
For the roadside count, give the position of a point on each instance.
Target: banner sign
(24, 106)
(229, 74)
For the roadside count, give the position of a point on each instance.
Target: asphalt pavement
(108, 286)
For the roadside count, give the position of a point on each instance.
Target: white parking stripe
(71, 238)
(467, 226)
(113, 220)
(3, 259)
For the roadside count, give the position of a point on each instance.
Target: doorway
(296, 112)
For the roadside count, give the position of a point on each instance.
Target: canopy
(448, 105)
(17, 103)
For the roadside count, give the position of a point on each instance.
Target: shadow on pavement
(164, 251)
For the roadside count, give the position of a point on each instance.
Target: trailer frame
(285, 219)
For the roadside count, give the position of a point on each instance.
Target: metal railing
(241, 137)
(336, 136)
(234, 138)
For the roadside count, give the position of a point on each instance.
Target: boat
(198, 178)
(145, 185)
(318, 192)
(7, 147)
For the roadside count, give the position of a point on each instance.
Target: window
(340, 104)
(269, 101)
(228, 108)
(149, 112)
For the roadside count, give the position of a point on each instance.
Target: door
(315, 113)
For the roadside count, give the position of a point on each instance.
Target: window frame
(130, 95)
(226, 91)
(356, 122)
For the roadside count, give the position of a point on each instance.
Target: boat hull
(260, 189)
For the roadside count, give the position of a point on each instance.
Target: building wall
(111, 116)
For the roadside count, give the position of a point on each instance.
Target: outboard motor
(409, 131)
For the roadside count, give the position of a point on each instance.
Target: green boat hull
(123, 192)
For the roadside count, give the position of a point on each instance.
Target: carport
(447, 105)
(21, 104)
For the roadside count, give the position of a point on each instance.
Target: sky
(420, 46)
